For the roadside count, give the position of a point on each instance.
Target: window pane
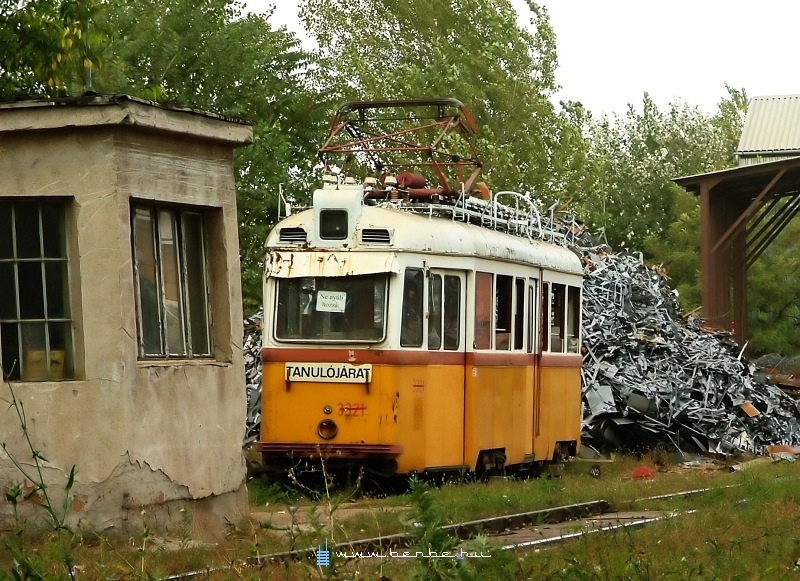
(196, 289)
(173, 301)
(34, 350)
(533, 306)
(9, 345)
(337, 309)
(6, 232)
(435, 312)
(34, 291)
(8, 294)
(519, 313)
(557, 321)
(573, 318)
(503, 308)
(52, 230)
(61, 364)
(31, 290)
(483, 310)
(56, 280)
(147, 283)
(544, 317)
(27, 229)
(452, 312)
(333, 224)
(411, 330)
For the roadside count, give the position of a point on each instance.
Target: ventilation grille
(293, 234)
(376, 236)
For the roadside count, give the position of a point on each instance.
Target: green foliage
(210, 56)
(774, 307)
(635, 157)
(427, 535)
(50, 47)
(473, 50)
(678, 249)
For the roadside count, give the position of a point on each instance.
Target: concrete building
(120, 311)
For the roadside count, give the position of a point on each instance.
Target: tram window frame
(452, 313)
(519, 314)
(444, 312)
(411, 324)
(544, 317)
(353, 309)
(504, 305)
(435, 308)
(573, 318)
(484, 299)
(533, 287)
(558, 293)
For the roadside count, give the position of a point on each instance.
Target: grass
(743, 529)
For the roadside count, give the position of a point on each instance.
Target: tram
(415, 329)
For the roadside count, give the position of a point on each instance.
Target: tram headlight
(327, 429)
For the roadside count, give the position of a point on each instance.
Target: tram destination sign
(329, 372)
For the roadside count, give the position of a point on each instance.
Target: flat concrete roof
(94, 110)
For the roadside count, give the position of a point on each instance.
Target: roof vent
(376, 236)
(293, 234)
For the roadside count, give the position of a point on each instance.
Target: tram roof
(414, 232)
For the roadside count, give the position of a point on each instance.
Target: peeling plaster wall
(141, 434)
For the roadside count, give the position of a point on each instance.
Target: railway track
(507, 532)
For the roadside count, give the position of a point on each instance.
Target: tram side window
(503, 312)
(532, 309)
(544, 318)
(452, 312)
(435, 311)
(519, 314)
(411, 330)
(557, 303)
(573, 318)
(483, 310)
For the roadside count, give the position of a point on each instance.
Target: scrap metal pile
(652, 377)
(252, 375)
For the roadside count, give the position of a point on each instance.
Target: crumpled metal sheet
(652, 377)
(252, 374)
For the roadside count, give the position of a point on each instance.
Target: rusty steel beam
(716, 276)
(748, 212)
(775, 226)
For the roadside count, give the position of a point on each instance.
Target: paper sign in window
(331, 301)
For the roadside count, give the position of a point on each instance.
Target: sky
(611, 51)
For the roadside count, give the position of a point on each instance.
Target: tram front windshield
(331, 309)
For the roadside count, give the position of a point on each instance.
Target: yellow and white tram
(406, 342)
(399, 336)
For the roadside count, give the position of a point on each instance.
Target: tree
(635, 158)
(773, 303)
(206, 54)
(472, 50)
(632, 199)
(49, 47)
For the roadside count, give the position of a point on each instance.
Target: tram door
(446, 342)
